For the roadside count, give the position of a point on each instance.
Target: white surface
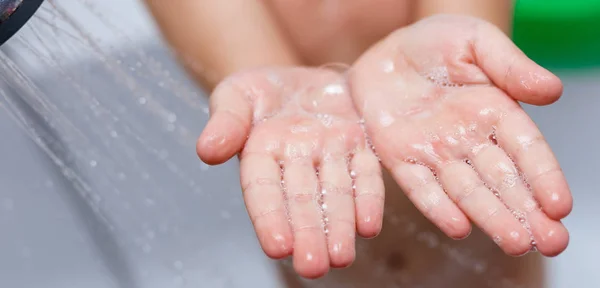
(571, 126)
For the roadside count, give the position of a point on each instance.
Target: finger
(551, 237)
(264, 198)
(311, 259)
(422, 188)
(518, 135)
(498, 171)
(511, 70)
(470, 193)
(338, 208)
(228, 126)
(369, 192)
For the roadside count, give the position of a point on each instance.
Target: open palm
(440, 103)
(309, 180)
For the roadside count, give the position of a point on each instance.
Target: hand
(439, 101)
(308, 179)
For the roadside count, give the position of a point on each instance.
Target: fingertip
(559, 207)
(369, 226)
(341, 255)
(516, 244)
(274, 234)
(312, 273)
(551, 236)
(206, 153)
(554, 242)
(369, 203)
(554, 88)
(512, 70)
(222, 138)
(277, 245)
(533, 84)
(310, 265)
(458, 228)
(554, 195)
(558, 246)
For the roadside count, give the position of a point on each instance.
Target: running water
(105, 106)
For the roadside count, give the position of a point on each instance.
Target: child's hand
(308, 178)
(436, 98)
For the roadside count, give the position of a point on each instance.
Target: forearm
(214, 39)
(498, 12)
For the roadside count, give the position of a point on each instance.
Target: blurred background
(100, 185)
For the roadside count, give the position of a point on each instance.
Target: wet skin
(440, 111)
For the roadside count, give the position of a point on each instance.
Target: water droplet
(178, 265)
(386, 119)
(533, 246)
(388, 66)
(172, 118)
(142, 100)
(497, 240)
(335, 89)
(93, 163)
(150, 234)
(352, 174)
(493, 139)
(163, 154)
(309, 257)
(480, 267)
(430, 239)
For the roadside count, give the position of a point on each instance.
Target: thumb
(228, 127)
(512, 71)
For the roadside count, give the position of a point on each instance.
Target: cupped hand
(439, 99)
(309, 180)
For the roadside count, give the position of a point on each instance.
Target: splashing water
(99, 176)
